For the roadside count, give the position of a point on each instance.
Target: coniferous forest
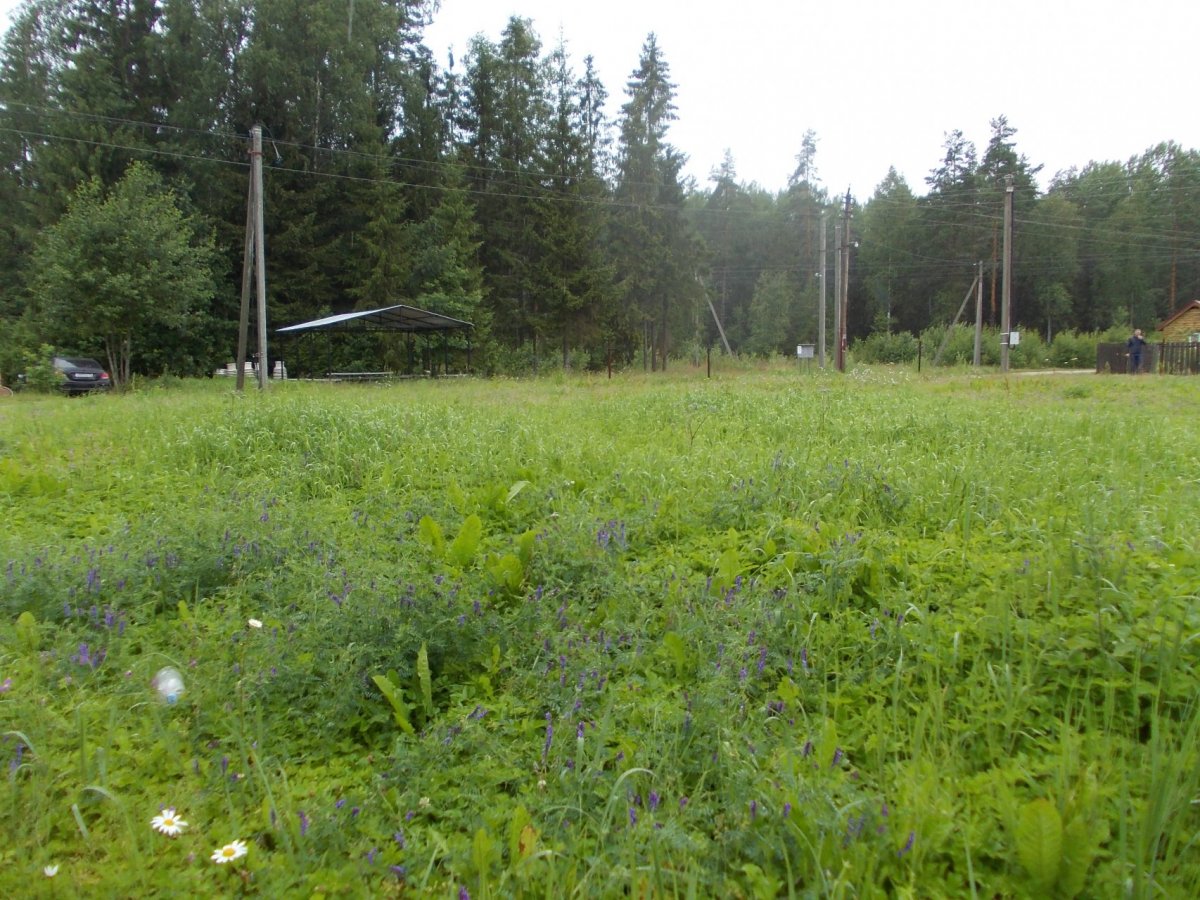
(496, 188)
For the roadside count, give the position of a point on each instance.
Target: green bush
(40, 374)
(884, 347)
(1072, 350)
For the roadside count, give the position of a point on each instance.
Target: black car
(80, 375)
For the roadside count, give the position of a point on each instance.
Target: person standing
(1135, 345)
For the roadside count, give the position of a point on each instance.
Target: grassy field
(773, 633)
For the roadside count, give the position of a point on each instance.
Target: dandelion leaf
(525, 548)
(466, 544)
(522, 836)
(429, 533)
(676, 651)
(729, 567)
(395, 696)
(425, 677)
(458, 499)
(506, 572)
(483, 852)
(1079, 850)
(514, 491)
(1040, 842)
(27, 630)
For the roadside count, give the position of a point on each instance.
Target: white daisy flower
(168, 822)
(254, 623)
(50, 871)
(231, 851)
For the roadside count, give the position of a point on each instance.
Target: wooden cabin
(1183, 325)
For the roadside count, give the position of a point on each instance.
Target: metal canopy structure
(398, 319)
(407, 319)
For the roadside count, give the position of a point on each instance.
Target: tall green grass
(773, 633)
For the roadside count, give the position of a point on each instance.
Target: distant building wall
(1183, 324)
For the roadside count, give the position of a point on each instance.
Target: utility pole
(837, 295)
(821, 302)
(978, 314)
(247, 272)
(1006, 295)
(844, 300)
(260, 258)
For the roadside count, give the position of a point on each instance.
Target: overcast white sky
(881, 81)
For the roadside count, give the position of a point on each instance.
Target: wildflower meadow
(770, 633)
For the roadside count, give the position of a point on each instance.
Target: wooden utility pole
(247, 272)
(979, 315)
(260, 257)
(1006, 295)
(844, 299)
(821, 301)
(254, 263)
(837, 295)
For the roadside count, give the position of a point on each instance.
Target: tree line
(495, 189)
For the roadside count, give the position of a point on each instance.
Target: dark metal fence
(1165, 359)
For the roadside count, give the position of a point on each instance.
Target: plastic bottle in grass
(169, 684)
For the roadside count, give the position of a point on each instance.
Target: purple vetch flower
(762, 660)
(804, 659)
(653, 801)
(683, 802)
(903, 851)
(837, 757)
(341, 801)
(808, 749)
(579, 731)
(753, 810)
(787, 810)
(398, 837)
(462, 892)
(371, 855)
(398, 871)
(303, 823)
(632, 816)
(6, 686)
(853, 829)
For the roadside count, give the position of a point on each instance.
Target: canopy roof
(389, 318)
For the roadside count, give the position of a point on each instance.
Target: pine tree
(658, 253)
